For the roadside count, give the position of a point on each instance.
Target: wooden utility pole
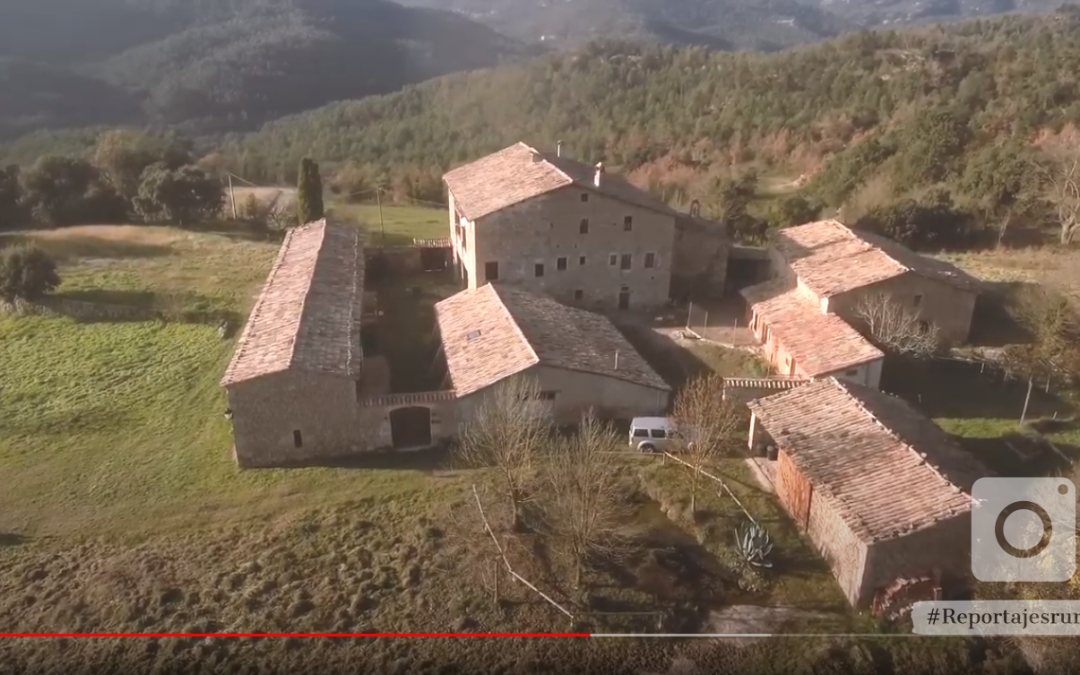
(382, 225)
(1027, 399)
(232, 198)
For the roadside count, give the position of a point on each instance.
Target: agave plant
(754, 545)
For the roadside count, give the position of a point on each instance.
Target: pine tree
(309, 193)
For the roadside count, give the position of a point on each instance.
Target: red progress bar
(278, 635)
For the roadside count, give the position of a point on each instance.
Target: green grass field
(397, 226)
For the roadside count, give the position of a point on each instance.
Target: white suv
(651, 434)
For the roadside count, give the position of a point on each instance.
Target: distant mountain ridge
(720, 24)
(226, 64)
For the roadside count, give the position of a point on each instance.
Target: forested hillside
(208, 66)
(910, 108)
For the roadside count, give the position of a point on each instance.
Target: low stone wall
(81, 309)
(426, 254)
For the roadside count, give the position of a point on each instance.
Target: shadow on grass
(674, 363)
(10, 539)
(428, 461)
(75, 246)
(1019, 455)
(407, 334)
(993, 323)
(102, 305)
(955, 390)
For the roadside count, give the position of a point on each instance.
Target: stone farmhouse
(806, 315)
(300, 388)
(582, 235)
(881, 490)
(579, 359)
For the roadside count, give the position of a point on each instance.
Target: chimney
(616, 359)
(599, 172)
(535, 157)
(558, 148)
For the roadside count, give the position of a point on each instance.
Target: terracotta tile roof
(498, 330)
(820, 343)
(519, 172)
(887, 469)
(831, 258)
(307, 316)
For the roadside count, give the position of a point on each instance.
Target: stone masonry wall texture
(547, 228)
(322, 407)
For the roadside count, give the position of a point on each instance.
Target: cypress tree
(309, 194)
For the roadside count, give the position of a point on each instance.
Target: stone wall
(82, 310)
(950, 308)
(944, 546)
(442, 404)
(701, 252)
(546, 230)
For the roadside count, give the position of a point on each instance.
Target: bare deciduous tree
(706, 425)
(506, 433)
(895, 327)
(1062, 177)
(585, 500)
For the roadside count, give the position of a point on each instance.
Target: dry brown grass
(1057, 267)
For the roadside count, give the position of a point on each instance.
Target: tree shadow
(102, 305)
(11, 539)
(429, 461)
(958, 390)
(994, 323)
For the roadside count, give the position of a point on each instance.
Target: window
(560, 264)
(297, 440)
(628, 223)
(581, 260)
(852, 372)
(538, 269)
(658, 433)
(472, 335)
(583, 226)
(491, 271)
(579, 294)
(627, 260)
(917, 301)
(641, 433)
(924, 326)
(613, 260)
(650, 260)
(547, 395)
(584, 196)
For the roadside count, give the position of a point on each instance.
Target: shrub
(26, 273)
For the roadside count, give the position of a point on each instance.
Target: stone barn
(702, 249)
(882, 492)
(579, 358)
(297, 376)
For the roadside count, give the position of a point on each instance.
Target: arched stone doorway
(410, 427)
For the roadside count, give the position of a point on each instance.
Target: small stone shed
(579, 358)
(296, 377)
(879, 488)
(702, 249)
